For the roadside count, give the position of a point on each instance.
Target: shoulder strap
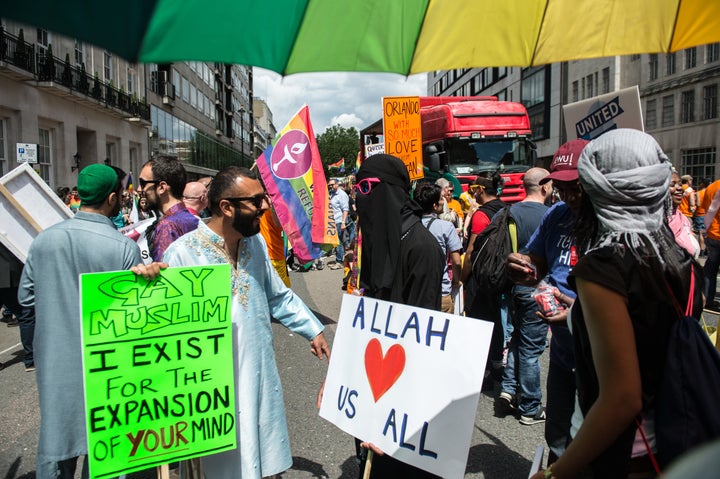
(691, 293)
(512, 230)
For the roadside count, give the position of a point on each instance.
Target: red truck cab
(475, 135)
(471, 135)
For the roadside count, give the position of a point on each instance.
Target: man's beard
(244, 223)
(151, 202)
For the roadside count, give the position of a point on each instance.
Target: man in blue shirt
(520, 387)
(551, 252)
(340, 204)
(50, 282)
(428, 197)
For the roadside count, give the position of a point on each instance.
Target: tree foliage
(336, 143)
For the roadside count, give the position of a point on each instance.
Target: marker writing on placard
(391, 425)
(347, 397)
(102, 450)
(121, 321)
(385, 323)
(127, 413)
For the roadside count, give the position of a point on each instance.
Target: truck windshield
(471, 156)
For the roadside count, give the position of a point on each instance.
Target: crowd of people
(611, 229)
(606, 233)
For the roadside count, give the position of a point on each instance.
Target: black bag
(490, 249)
(686, 408)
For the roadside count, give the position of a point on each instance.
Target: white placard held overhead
(27, 206)
(588, 119)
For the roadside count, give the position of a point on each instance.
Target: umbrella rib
(145, 30)
(537, 39)
(297, 32)
(672, 35)
(417, 39)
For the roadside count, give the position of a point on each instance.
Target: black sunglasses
(257, 200)
(144, 183)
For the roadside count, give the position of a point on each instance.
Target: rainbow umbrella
(401, 36)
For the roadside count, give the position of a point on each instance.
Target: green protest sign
(158, 367)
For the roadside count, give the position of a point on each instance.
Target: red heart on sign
(382, 372)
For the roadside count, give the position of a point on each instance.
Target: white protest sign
(588, 119)
(27, 206)
(408, 380)
(374, 149)
(137, 233)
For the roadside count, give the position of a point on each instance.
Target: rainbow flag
(129, 182)
(358, 162)
(290, 167)
(339, 164)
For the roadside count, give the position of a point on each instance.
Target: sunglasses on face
(365, 186)
(144, 183)
(257, 201)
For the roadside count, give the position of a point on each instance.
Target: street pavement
(500, 447)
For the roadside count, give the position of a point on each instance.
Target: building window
(653, 66)
(690, 58)
(130, 81)
(79, 52)
(712, 52)
(687, 106)
(575, 91)
(185, 90)
(533, 89)
(699, 162)
(4, 167)
(590, 89)
(634, 57)
(606, 80)
(651, 114)
(670, 64)
(668, 110)
(110, 155)
(43, 38)
(107, 66)
(710, 102)
(44, 155)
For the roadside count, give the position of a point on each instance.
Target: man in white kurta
(237, 201)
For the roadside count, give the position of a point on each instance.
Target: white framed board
(27, 206)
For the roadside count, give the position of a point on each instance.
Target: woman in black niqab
(385, 214)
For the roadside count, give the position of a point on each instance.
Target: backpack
(686, 408)
(490, 249)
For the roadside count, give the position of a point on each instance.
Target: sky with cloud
(345, 99)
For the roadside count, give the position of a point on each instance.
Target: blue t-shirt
(449, 241)
(527, 216)
(552, 241)
(339, 202)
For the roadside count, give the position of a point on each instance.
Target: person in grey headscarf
(629, 262)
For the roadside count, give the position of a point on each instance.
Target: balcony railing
(48, 68)
(17, 52)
